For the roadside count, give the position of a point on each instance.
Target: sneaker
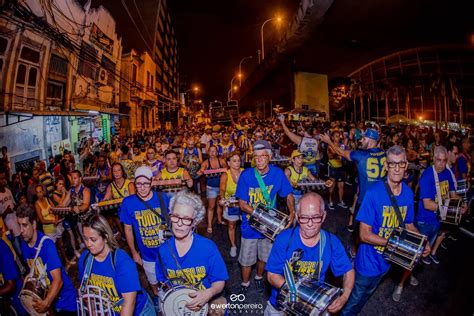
(331, 205)
(426, 260)
(413, 281)
(350, 228)
(343, 205)
(444, 244)
(348, 183)
(434, 258)
(243, 289)
(397, 293)
(452, 237)
(233, 252)
(259, 285)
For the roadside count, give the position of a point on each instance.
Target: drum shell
(453, 212)
(268, 221)
(405, 248)
(173, 301)
(314, 297)
(32, 289)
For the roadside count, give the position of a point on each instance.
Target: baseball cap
(144, 171)
(261, 144)
(371, 133)
(296, 153)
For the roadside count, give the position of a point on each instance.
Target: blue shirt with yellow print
(249, 191)
(428, 191)
(377, 211)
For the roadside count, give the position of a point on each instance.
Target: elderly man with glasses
(316, 250)
(378, 218)
(188, 259)
(143, 217)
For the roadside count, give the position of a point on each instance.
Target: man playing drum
(378, 218)
(308, 237)
(46, 270)
(188, 259)
(250, 192)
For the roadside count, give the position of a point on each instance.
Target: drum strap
(394, 204)
(38, 250)
(438, 191)
(164, 211)
(263, 188)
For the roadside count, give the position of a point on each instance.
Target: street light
(278, 19)
(232, 87)
(240, 69)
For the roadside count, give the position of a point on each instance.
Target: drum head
(26, 298)
(175, 300)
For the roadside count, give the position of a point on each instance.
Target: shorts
(233, 217)
(430, 230)
(212, 192)
(270, 310)
(250, 249)
(337, 173)
(150, 271)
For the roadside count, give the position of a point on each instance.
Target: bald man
(318, 246)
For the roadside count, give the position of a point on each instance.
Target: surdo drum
(33, 289)
(268, 220)
(313, 298)
(175, 299)
(450, 212)
(405, 248)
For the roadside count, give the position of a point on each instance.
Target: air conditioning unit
(102, 76)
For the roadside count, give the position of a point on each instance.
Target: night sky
(213, 36)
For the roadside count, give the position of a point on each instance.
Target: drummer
(112, 270)
(377, 220)
(61, 295)
(297, 172)
(189, 259)
(172, 171)
(250, 193)
(313, 241)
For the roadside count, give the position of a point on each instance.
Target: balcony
(136, 91)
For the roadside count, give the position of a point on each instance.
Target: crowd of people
(110, 210)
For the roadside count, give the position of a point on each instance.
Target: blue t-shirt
(201, 266)
(146, 224)
(462, 166)
(249, 191)
(428, 191)
(377, 211)
(9, 272)
(115, 281)
(48, 260)
(370, 168)
(333, 255)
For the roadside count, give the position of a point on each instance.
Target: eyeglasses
(393, 164)
(186, 221)
(314, 219)
(145, 185)
(258, 157)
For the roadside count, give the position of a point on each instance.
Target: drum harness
(441, 212)
(401, 223)
(36, 264)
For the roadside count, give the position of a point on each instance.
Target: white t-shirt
(6, 199)
(205, 138)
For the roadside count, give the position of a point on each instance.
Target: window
(27, 78)
(58, 65)
(147, 79)
(3, 49)
(108, 65)
(134, 73)
(87, 61)
(55, 93)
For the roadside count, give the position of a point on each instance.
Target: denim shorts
(212, 192)
(430, 230)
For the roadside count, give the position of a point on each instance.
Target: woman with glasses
(317, 249)
(106, 267)
(189, 259)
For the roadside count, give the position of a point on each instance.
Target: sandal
(209, 230)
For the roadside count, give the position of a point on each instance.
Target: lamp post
(240, 69)
(229, 93)
(261, 34)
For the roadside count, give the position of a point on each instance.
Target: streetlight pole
(229, 93)
(240, 69)
(261, 35)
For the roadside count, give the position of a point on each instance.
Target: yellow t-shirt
(295, 177)
(231, 186)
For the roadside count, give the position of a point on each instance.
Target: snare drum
(209, 173)
(231, 201)
(110, 206)
(172, 185)
(94, 301)
(314, 297)
(268, 221)
(32, 289)
(405, 248)
(461, 188)
(61, 211)
(174, 302)
(311, 185)
(281, 161)
(450, 212)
